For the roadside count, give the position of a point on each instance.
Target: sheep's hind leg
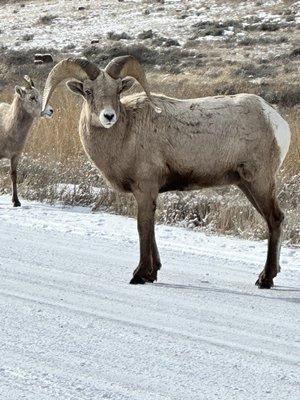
(13, 173)
(272, 267)
(145, 221)
(263, 198)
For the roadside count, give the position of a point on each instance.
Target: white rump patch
(280, 128)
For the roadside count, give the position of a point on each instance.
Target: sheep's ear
(76, 87)
(127, 83)
(20, 91)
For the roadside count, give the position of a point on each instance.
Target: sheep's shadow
(288, 289)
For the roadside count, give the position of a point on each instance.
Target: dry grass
(58, 138)
(54, 155)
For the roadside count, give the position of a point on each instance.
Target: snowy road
(73, 328)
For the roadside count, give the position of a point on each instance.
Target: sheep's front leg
(156, 263)
(13, 174)
(145, 222)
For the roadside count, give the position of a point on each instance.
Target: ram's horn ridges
(78, 68)
(123, 66)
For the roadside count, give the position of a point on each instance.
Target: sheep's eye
(32, 97)
(88, 92)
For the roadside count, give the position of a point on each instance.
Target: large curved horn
(28, 82)
(123, 66)
(78, 68)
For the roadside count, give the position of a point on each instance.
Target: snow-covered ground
(73, 328)
(69, 26)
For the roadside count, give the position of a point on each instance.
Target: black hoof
(17, 204)
(158, 266)
(137, 280)
(263, 284)
(152, 278)
(140, 280)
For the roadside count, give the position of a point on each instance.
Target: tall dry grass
(58, 137)
(54, 156)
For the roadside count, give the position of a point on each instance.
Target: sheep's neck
(19, 120)
(106, 147)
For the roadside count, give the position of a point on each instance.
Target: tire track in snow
(292, 360)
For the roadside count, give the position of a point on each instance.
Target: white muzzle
(48, 112)
(108, 117)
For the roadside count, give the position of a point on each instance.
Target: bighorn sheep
(15, 121)
(147, 144)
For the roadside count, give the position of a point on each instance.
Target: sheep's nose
(48, 112)
(109, 117)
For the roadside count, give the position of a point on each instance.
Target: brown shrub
(47, 19)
